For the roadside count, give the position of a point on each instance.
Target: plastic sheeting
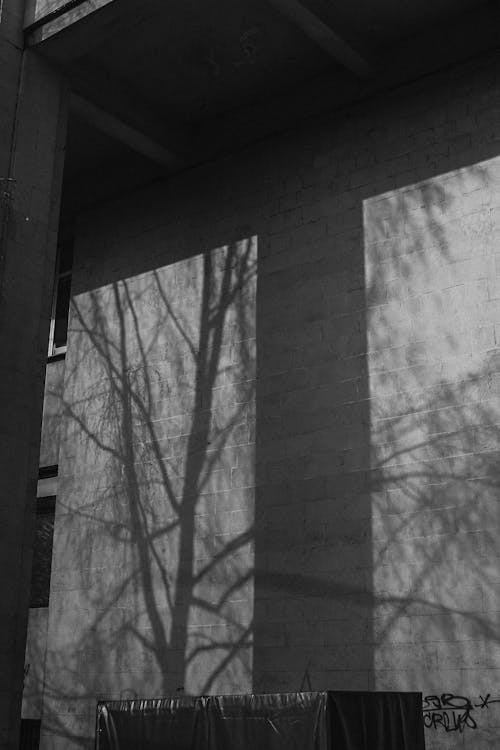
(285, 721)
(165, 723)
(376, 721)
(268, 722)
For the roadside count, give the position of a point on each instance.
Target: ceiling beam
(53, 10)
(121, 131)
(117, 97)
(73, 28)
(321, 31)
(44, 19)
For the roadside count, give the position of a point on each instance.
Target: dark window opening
(45, 472)
(44, 533)
(62, 295)
(30, 734)
(42, 552)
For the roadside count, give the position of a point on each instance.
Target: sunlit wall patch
(432, 306)
(154, 540)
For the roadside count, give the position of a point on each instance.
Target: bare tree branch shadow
(158, 399)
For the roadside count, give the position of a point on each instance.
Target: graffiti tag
(453, 713)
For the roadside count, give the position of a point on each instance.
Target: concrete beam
(50, 16)
(121, 131)
(455, 41)
(123, 101)
(82, 26)
(321, 31)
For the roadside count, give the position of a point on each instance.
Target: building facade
(269, 447)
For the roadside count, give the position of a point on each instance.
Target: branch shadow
(435, 438)
(153, 549)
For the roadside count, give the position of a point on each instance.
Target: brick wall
(279, 456)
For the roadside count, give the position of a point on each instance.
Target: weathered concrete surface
(29, 125)
(353, 399)
(34, 665)
(52, 412)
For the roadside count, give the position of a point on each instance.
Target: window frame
(57, 351)
(45, 506)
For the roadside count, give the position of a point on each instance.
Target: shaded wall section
(313, 511)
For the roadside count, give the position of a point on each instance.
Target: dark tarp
(376, 721)
(285, 721)
(152, 724)
(295, 721)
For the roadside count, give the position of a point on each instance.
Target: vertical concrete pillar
(32, 131)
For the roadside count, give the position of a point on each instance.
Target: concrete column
(33, 105)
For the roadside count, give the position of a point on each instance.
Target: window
(44, 532)
(62, 294)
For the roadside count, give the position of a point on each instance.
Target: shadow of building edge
(313, 559)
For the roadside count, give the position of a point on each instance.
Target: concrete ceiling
(200, 78)
(385, 21)
(210, 57)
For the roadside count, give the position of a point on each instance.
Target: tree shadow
(152, 584)
(435, 438)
